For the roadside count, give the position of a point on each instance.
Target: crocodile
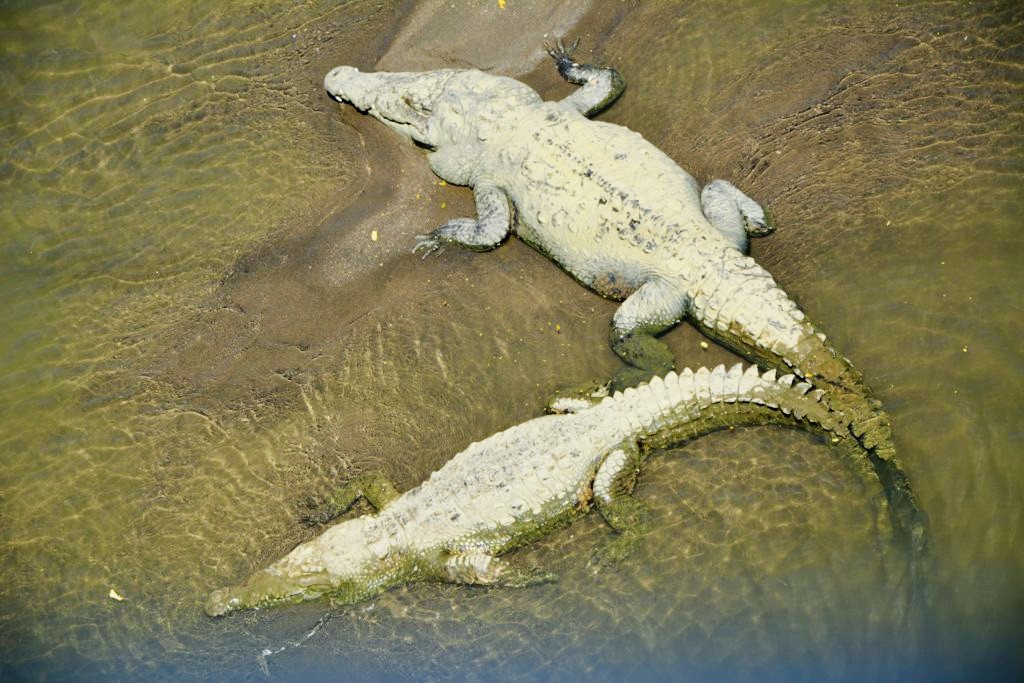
(623, 219)
(606, 205)
(517, 485)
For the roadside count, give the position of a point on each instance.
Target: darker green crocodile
(519, 484)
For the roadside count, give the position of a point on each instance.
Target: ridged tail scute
(819, 362)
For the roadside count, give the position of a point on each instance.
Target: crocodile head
(351, 561)
(433, 108)
(402, 101)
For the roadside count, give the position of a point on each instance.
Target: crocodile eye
(416, 105)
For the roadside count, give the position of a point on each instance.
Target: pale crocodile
(605, 204)
(517, 485)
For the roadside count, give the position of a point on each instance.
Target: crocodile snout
(220, 602)
(336, 80)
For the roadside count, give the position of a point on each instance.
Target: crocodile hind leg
(374, 487)
(602, 85)
(733, 213)
(613, 486)
(647, 312)
(480, 234)
(479, 568)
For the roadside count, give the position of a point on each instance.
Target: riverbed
(211, 315)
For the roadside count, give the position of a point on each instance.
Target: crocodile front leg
(602, 85)
(478, 568)
(376, 488)
(484, 233)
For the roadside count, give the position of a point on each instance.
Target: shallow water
(200, 333)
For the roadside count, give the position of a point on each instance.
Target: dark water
(200, 332)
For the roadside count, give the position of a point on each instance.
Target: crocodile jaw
(350, 561)
(260, 590)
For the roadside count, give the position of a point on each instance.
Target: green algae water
(210, 315)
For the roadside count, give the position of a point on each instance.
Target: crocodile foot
(373, 487)
(631, 520)
(560, 52)
(317, 513)
(575, 399)
(631, 377)
(614, 551)
(581, 397)
(759, 225)
(428, 244)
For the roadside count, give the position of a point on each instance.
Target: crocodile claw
(427, 245)
(560, 51)
(757, 225)
(318, 514)
(757, 221)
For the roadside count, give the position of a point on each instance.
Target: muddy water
(210, 315)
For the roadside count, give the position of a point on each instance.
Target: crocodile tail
(871, 429)
(858, 416)
(817, 360)
(871, 426)
(737, 302)
(758, 398)
(692, 403)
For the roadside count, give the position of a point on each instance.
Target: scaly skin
(606, 205)
(519, 484)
